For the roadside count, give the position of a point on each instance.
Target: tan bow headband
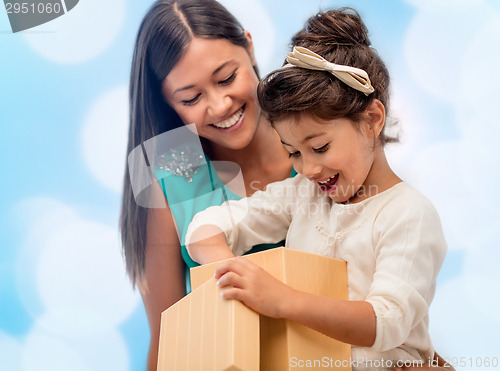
(356, 78)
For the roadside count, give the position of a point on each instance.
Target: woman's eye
(190, 102)
(294, 154)
(229, 79)
(322, 149)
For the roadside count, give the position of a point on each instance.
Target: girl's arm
(262, 218)
(209, 249)
(351, 322)
(163, 282)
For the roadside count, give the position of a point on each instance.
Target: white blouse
(393, 243)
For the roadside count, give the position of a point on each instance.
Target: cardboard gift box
(204, 332)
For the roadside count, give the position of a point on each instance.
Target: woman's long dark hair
(163, 37)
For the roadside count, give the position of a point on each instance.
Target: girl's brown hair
(341, 37)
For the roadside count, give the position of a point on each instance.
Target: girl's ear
(376, 118)
(250, 49)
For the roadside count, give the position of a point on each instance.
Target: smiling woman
(193, 64)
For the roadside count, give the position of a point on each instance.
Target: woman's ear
(250, 49)
(376, 117)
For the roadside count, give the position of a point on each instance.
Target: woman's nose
(219, 105)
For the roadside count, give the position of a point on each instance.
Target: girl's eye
(294, 154)
(190, 102)
(322, 149)
(228, 80)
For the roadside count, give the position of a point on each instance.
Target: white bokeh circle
(434, 49)
(45, 352)
(444, 6)
(40, 217)
(102, 351)
(479, 78)
(256, 19)
(482, 273)
(80, 35)
(478, 157)
(454, 320)
(10, 353)
(104, 138)
(72, 266)
(435, 172)
(81, 267)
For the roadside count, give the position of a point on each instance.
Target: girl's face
(214, 86)
(334, 154)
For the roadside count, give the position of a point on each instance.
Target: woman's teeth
(230, 121)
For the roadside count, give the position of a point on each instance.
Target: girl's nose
(310, 168)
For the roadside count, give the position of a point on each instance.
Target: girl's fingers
(235, 265)
(245, 262)
(233, 293)
(231, 279)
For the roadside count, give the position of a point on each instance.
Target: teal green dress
(191, 191)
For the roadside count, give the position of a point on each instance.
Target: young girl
(328, 105)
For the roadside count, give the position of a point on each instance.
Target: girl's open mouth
(329, 184)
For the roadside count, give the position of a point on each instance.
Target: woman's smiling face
(214, 86)
(334, 154)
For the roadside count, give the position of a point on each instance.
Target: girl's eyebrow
(213, 73)
(309, 137)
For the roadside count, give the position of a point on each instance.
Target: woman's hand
(253, 286)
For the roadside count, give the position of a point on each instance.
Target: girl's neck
(380, 178)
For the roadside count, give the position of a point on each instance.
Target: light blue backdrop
(65, 301)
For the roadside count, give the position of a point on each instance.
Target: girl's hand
(254, 287)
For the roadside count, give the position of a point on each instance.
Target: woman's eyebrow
(221, 67)
(183, 88)
(213, 73)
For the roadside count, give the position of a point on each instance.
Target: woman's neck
(262, 153)
(263, 161)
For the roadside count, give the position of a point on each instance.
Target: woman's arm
(163, 282)
(352, 322)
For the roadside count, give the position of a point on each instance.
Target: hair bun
(341, 26)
